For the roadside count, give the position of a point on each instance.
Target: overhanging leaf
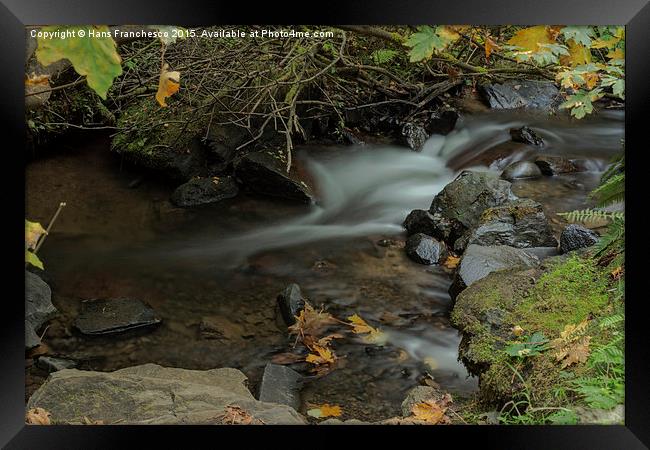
(95, 57)
(168, 84)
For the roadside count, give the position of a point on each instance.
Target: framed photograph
(356, 219)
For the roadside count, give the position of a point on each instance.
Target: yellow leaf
(34, 260)
(617, 273)
(359, 326)
(310, 322)
(37, 416)
(325, 411)
(578, 55)
(451, 262)
(490, 45)
(517, 330)
(323, 355)
(530, 39)
(33, 232)
(591, 80)
(38, 80)
(451, 33)
(432, 412)
(616, 54)
(168, 84)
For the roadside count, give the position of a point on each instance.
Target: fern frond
(611, 190)
(609, 322)
(613, 239)
(591, 215)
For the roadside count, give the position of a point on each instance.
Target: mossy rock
(565, 290)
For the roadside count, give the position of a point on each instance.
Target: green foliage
(426, 41)
(95, 57)
(580, 34)
(613, 241)
(33, 233)
(532, 346)
(383, 55)
(590, 215)
(612, 190)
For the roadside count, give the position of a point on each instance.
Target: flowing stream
(231, 260)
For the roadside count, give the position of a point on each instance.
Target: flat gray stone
(151, 394)
(38, 308)
(52, 364)
(106, 316)
(280, 384)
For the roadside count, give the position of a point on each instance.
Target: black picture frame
(16, 14)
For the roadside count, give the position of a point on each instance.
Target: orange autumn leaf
(359, 326)
(325, 411)
(490, 45)
(432, 412)
(311, 322)
(168, 84)
(321, 355)
(451, 262)
(531, 39)
(38, 80)
(617, 273)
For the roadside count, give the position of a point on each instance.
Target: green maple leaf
(581, 35)
(94, 57)
(423, 43)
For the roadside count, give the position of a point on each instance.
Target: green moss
(570, 292)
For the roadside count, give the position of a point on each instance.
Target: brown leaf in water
(38, 416)
(311, 322)
(286, 358)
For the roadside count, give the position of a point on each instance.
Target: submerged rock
(513, 94)
(107, 316)
(202, 191)
(520, 223)
(291, 303)
(264, 173)
(52, 364)
(575, 236)
(281, 385)
(521, 169)
(151, 394)
(460, 204)
(219, 327)
(419, 221)
(424, 249)
(414, 135)
(526, 136)
(555, 165)
(479, 261)
(38, 308)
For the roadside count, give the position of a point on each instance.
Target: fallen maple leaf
(311, 322)
(374, 335)
(321, 355)
(432, 412)
(325, 411)
(168, 84)
(617, 273)
(490, 45)
(572, 346)
(37, 416)
(531, 39)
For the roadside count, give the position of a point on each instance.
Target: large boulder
(514, 94)
(264, 173)
(575, 236)
(521, 169)
(479, 261)
(155, 395)
(38, 308)
(281, 385)
(424, 249)
(520, 223)
(202, 191)
(108, 316)
(460, 204)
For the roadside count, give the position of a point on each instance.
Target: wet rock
(555, 165)
(151, 394)
(221, 144)
(202, 191)
(479, 261)
(290, 303)
(528, 94)
(265, 173)
(442, 121)
(521, 169)
(424, 249)
(414, 135)
(543, 252)
(52, 364)
(419, 221)
(460, 204)
(520, 223)
(107, 316)
(219, 327)
(420, 394)
(281, 385)
(575, 236)
(526, 136)
(38, 308)
(351, 137)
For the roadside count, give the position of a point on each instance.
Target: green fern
(611, 321)
(613, 240)
(612, 190)
(591, 215)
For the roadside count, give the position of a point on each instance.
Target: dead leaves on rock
(38, 416)
(235, 415)
(427, 412)
(572, 346)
